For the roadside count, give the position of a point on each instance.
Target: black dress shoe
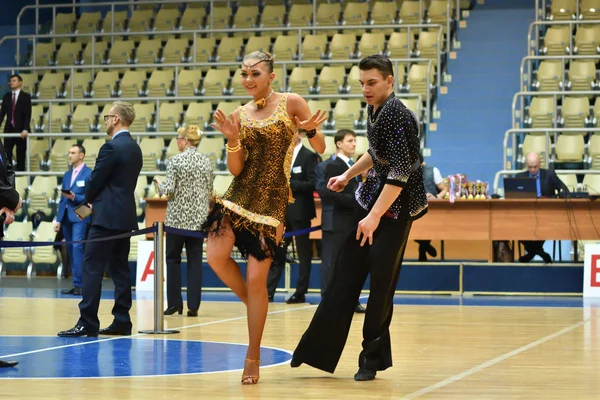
(432, 251)
(546, 257)
(192, 313)
(360, 309)
(114, 331)
(526, 258)
(364, 374)
(295, 363)
(296, 299)
(7, 364)
(74, 290)
(77, 331)
(173, 310)
(271, 299)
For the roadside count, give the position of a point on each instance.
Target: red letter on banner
(148, 270)
(595, 271)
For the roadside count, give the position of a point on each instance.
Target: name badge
(80, 183)
(297, 170)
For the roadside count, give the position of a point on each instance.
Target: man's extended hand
(367, 227)
(57, 227)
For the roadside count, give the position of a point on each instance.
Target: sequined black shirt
(394, 146)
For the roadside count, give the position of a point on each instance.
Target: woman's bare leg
(258, 304)
(218, 255)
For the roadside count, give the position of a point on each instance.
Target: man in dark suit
(16, 107)
(110, 192)
(298, 216)
(326, 223)
(74, 229)
(344, 203)
(10, 202)
(547, 186)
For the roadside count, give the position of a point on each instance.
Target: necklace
(260, 104)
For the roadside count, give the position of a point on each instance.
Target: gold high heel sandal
(251, 379)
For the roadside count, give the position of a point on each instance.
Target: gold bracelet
(233, 149)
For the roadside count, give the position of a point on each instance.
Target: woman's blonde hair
(192, 133)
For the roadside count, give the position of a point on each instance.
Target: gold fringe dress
(255, 203)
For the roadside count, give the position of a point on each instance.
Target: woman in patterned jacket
(189, 187)
(260, 144)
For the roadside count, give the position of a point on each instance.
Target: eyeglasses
(180, 138)
(107, 116)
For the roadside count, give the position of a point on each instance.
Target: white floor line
(146, 334)
(493, 361)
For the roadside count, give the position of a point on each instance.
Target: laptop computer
(520, 188)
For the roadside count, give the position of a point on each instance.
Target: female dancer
(251, 213)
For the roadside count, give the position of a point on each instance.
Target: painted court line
(146, 334)
(493, 361)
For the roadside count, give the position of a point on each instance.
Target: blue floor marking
(57, 358)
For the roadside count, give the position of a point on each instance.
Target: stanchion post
(159, 322)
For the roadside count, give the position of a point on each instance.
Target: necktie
(14, 103)
(351, 163)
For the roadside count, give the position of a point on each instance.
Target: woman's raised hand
(313, 122)
(228, 126)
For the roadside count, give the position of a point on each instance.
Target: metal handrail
(558, 171)
(526, 61)
(544, 23)
(514, 131)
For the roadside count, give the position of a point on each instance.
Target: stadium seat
(591, 184)
(29, 84)
(212, 147)
(140, 21)
(342, 47)
(587, 40)
(229, 49)
(120, 53)
(371, 43)
(99, 52)
(549, 76)
(258, 43)
(556, 41)
(417, 79)
(346, 112)
(88, 22)
(44, 54)
(582, 76)
(84, 119)
(205, 49)
(245, 18)
(384, 13)
(197, 114)
(68, 53)
(541, 112)
(323, 105)
(188, 82)
(302, 79)
(148, 52)
(192, 19)
(160, 83)
(589, 9)
(570, 181)
(400, 45)
(104, 84)
(300, 15)
(569, 148)
(355, 14)
(57, 118)
(166, 20)
(92, 148)
(328, 15)
(215, 82)
(17, 231)
(411, 12)
(272, 17)
(59, 153)
(428, 46)
(42, 195)
(51, 85)
(222, 183)
(64, 25)
(79, 84)
(38, 150)
(175, 50)
(285, 48)
(132, 84)
(169, 116)
(152, 153)
(331, 79)
(44, 254)
(575, 112)
(143, 117)
(220, 20)
(134, 240)
(114, 21)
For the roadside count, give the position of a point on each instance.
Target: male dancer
(390, 199)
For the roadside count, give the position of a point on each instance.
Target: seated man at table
(548, 184)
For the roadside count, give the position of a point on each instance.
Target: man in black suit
(547, 186)
(326, 223)
(110, 192)
(16, 107)
(10, 202)
(298, 216)
(344, 204)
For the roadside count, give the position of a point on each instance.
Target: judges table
(503, 219)
(481, 221)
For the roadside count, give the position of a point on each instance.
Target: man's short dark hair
(17, 76)
(378, 62)
(341, 134)
(80, 147)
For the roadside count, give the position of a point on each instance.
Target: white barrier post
(159, 322)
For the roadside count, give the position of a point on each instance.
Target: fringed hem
(251, 238)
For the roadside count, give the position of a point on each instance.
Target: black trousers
(326, 261)
(533, 247)
(21, 145)
(97, 256)
(193, 247)
(304, 250)
(323, 342)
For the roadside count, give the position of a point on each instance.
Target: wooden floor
(440, 352)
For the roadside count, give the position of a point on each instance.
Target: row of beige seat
(84, 118)
(229, 49)
(573, 112)
(578, 75)
(305, 80)
(17, 257)
(197, 16)
(563, 148)
(559, 40)
(567, 10)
